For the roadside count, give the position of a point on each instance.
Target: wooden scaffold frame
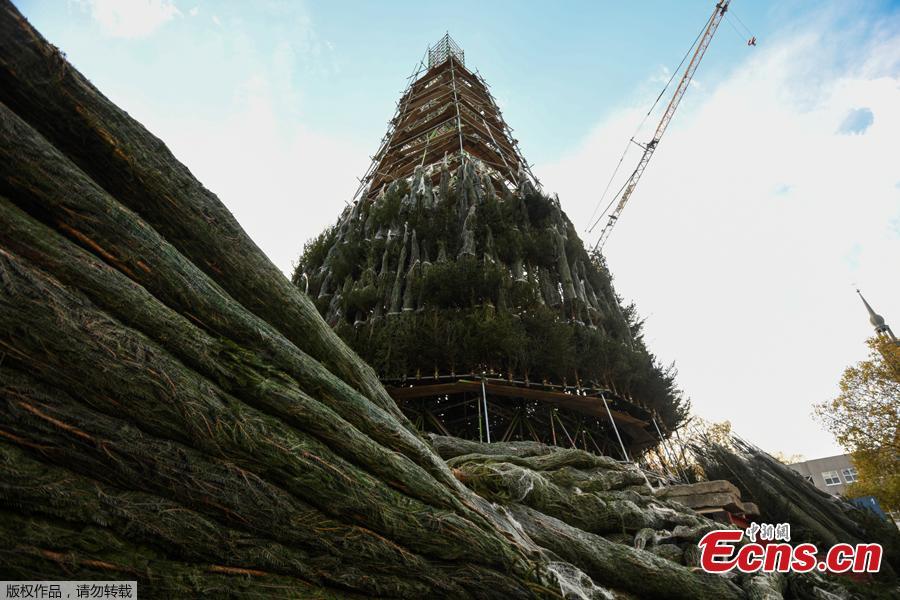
(446, 115)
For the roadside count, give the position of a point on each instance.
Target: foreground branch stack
(173, 410)
(600, 516)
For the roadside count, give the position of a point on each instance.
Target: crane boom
(703, 44)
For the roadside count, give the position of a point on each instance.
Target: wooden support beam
(583, 404)
(509, 428)
(552, 424)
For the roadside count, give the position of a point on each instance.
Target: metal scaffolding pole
(480, 428)
(616, 429)
(462, 156)
(487, 424)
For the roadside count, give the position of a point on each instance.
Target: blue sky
(341, 65)
(775, 191)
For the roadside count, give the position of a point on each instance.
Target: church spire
(877, 321)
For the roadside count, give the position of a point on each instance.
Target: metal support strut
(487, 424)
(616, 429)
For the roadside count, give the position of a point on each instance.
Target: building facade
(831, 474)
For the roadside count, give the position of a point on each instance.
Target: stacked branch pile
(602, 517)
(173, 409)
(784, 496)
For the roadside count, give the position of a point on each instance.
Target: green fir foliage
(500, 305)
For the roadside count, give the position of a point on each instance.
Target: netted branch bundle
(451, 447)
(591, 512)
(609, 504)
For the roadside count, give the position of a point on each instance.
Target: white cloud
(132, 18)
(750, 227)
(241, 130)
(283, 181)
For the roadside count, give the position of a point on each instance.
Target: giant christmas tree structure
(470, 292)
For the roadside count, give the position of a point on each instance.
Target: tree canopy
(864, 418)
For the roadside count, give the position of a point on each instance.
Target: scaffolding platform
(489, 407)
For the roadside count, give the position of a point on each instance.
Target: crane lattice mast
(628, 188)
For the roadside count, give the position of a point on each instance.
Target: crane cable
(747, 29)
(631, 140)
(734, 29)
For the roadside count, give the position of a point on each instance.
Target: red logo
(721, 551)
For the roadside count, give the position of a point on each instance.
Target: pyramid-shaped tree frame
(446, 114)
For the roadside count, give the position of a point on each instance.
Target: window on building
(831, 478)
(850, 475)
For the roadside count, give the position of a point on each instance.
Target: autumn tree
(787, 459)
(864, 418)
(679, 449)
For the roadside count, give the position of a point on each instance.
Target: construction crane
(628, 188)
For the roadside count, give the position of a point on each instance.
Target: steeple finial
(877, 321)
(874, 318)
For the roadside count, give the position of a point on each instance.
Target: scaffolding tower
(446, 114)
